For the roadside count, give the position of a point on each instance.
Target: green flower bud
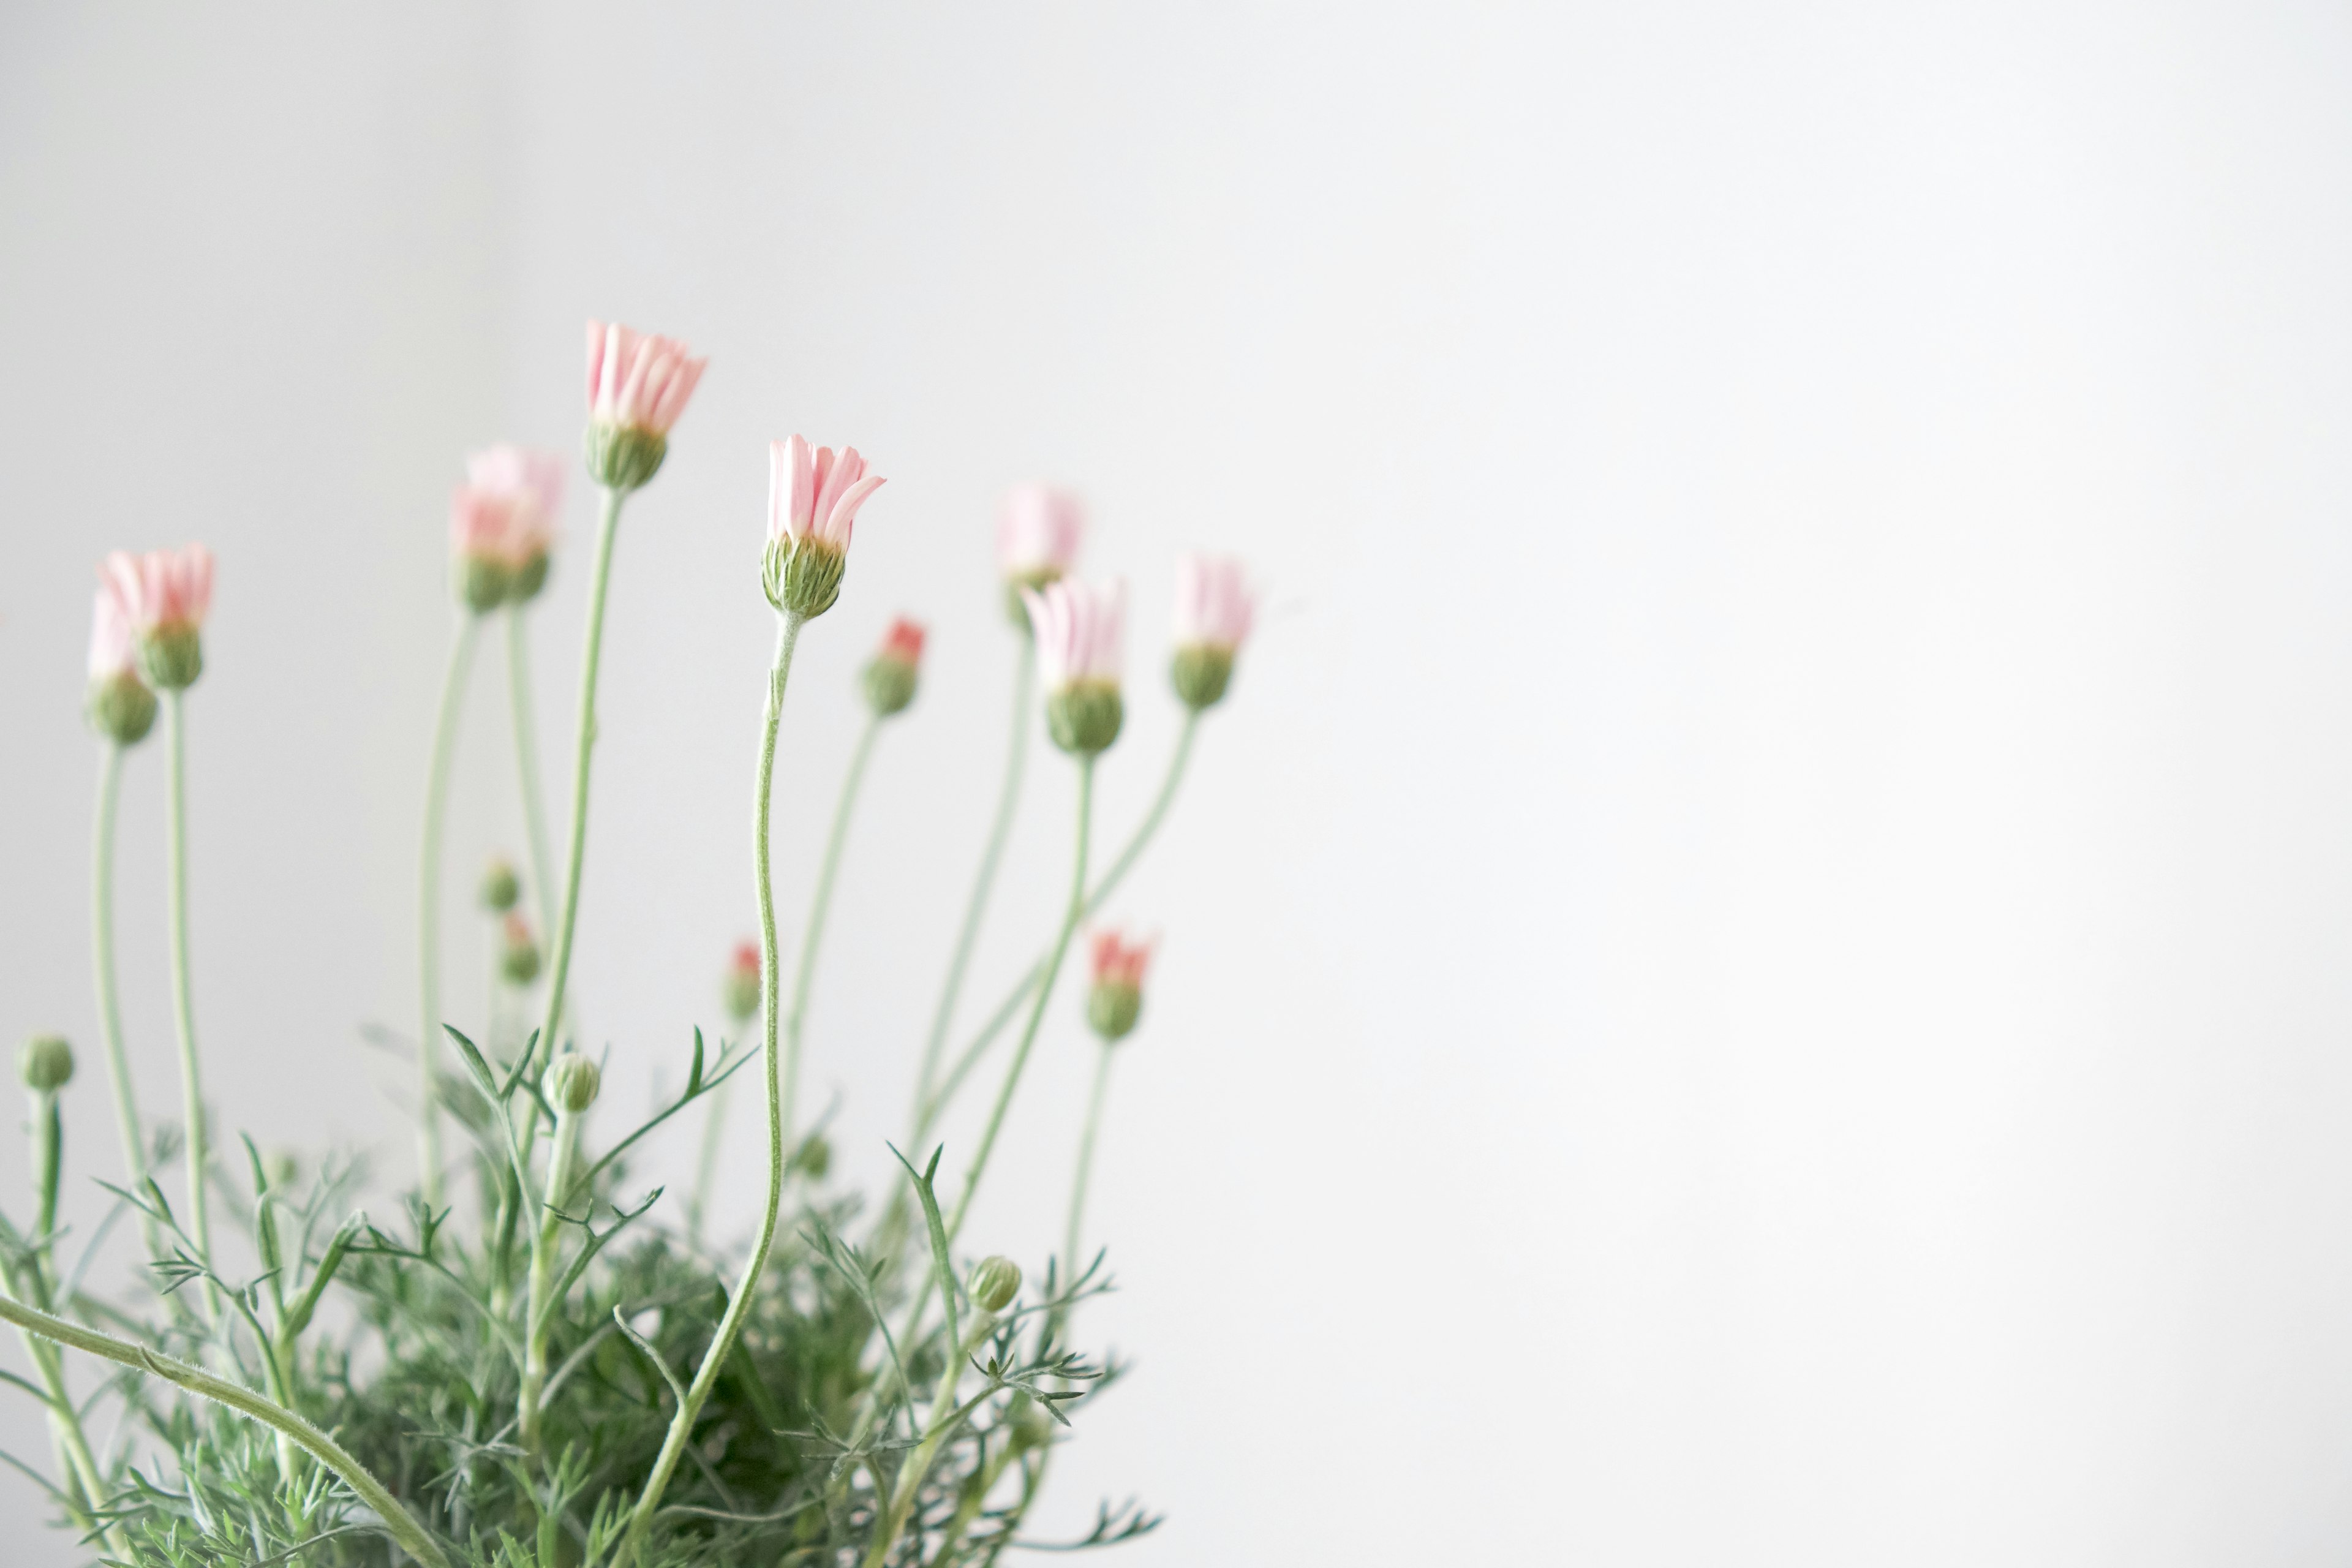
(573, 1081)
(1032, 1428)
(483, 581)
(121, 709)
(1112, 1009)
(500, 887)
(803, 578)
(623, 457)
(519, 958)
(993, 1283)
(173, 655)
(741, 990)
(1200, 672)
(527, 579)
(814, 1158)
(45, 1063)
(890, 685)
(1084, 717)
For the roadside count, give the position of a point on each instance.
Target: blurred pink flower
(815, 496)
(637, 380)
(1214, 602)
(1079, 628)
(1117, 961)
(1038, 532)
(507, 507)
(746, 961)
(903, 641)
(163, 587)
(112, 650)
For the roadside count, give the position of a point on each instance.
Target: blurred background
(1756, 969)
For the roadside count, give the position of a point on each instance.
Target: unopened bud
(1200, 672)
(46, 1063)
(994, 1282)
(573, 1079)
(1084, 717)
(890, 676)
(519, 955)
(814, 1158)
(173, 655)
(1112, 1010)
(120, 708)
(1032, 1428)
(623, 457)
(1116, 1000)
(741, 989)
(500, 887)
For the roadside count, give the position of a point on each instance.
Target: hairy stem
(184, 1010)
(428, 913)
(739, 1305)
(1010, 1005)
(560, 966)
(1008, 796)
(812, 934)
(402, 1526)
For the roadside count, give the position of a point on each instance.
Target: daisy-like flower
(119, 706)
(1038, 530)
(1116, 1000)
(890, 674)
(502, 525)
(1214, 611)
(813, 497)
(638, 386)
(165, 595)
(1079, 627)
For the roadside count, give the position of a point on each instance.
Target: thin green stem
(403, 1527)
(72, 1444)
(739, 1304)
(705, 1165)
(184, 1010)
(812, 934)
(1010, 1005)
(1008, 796)
(540, 1311)
(109, 1010)
(1070, 1266)
(945, 1416)
(534, 811)
(560, 969)
(428, 913)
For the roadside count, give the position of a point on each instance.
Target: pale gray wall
(1755, 970)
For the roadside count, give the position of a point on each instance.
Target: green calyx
(888, 684)
(802, 576)
(741, 994)
(46, 1064)
(573, 1081)
(526, 580)
(1200, 672)
(518, 962)
(173, 655)
(994, 1282)
(1112, 1009)
(622, 457)
(1016, 610)
(1084, 717)
(483, 581)
(501, 889)
(120, 708)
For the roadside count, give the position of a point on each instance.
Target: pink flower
(506, 510)
(112, 650)
(1037, 532)
(1213, 602)
(814, 498)
(903, 642)
(637, 380)
(1117, 961)
(1078, 627)
(163, 588)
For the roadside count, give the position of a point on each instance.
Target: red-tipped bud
(889, 676)
(741, 987)
(1116, 1000)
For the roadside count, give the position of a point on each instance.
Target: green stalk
(540, 1311)
(109, 1010)
(819, 902)
(739, 1305)
(401, 1525)
(560, 969)
(705, 1164)
(945, 1416)
(428, 913)
(183, 1012)
(1008, 795)
(1086, 1167)
(1010, 1005)
(534, 814)
(84, 1489)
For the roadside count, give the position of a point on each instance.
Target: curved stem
(110, 1009)
(1010, 1005)
(722, 1342)
(560, 968)
(428, 914)
(1016, 753)
(814, 933)
(401, 1525)
(183, 1012)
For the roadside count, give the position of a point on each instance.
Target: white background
(1758, 968)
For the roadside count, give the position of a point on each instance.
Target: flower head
(119, 705)
(741, 987)
(1077, 627)
(165, 595)
(1116, 1000)
(519, 950)
(1214, 610)
(503, 524)
(1037, 535)
(889, 676)
(813, 497)
(638, 386)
